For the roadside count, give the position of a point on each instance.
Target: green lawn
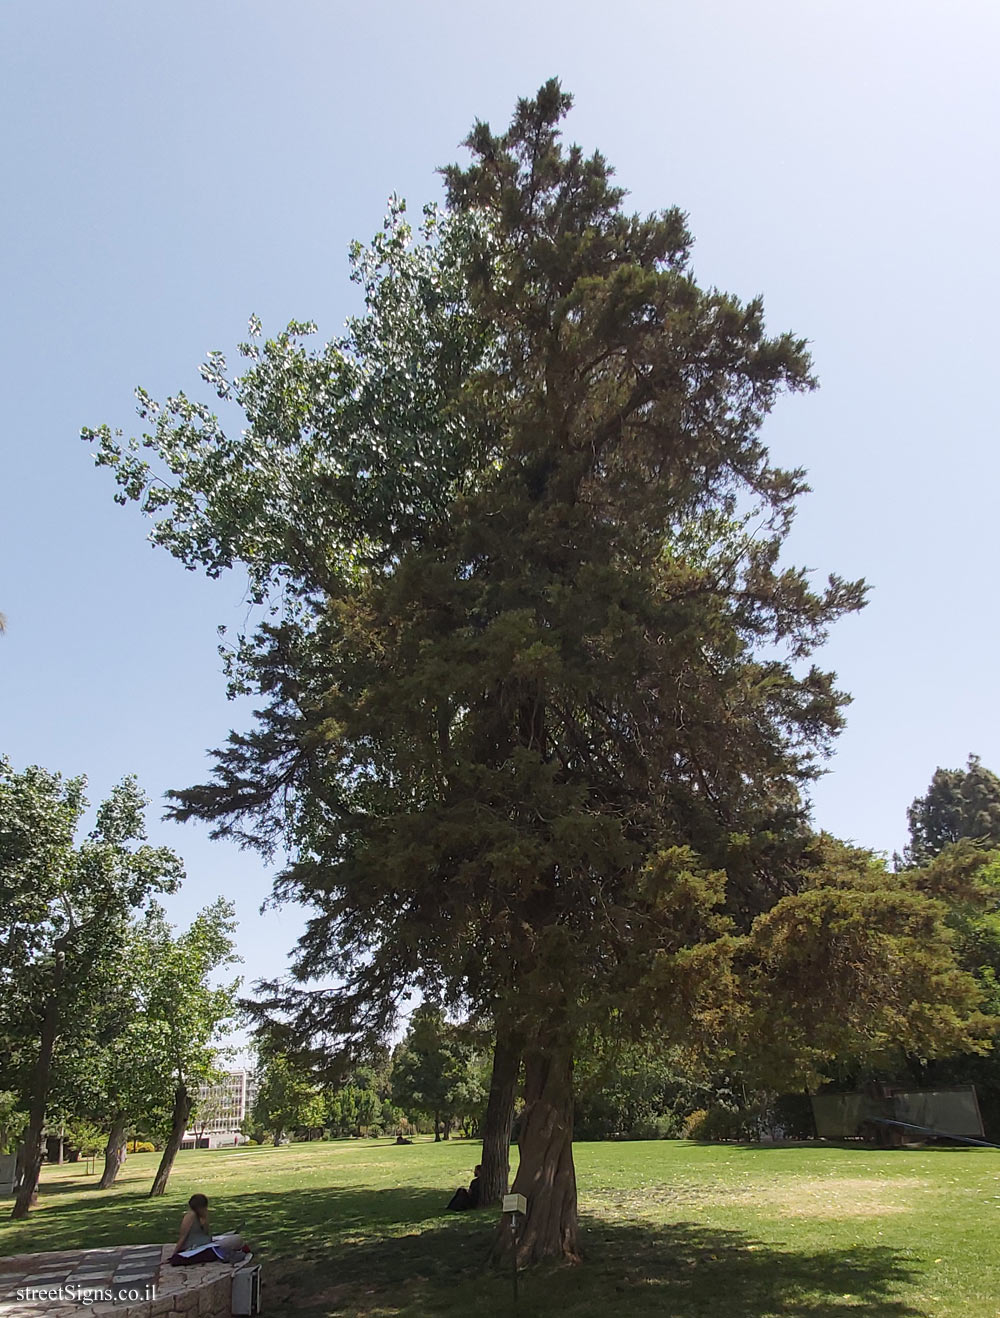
(669, 1228)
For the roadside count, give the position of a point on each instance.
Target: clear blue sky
(169, 169)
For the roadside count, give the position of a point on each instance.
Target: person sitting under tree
(467, 1198)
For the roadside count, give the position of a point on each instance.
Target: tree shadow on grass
(684, 1270)
(396, 1251)
(70, 1185)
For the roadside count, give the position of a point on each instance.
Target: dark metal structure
(884, 1114)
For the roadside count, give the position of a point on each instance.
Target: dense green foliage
(635, 1091)
(287, 1099)
(65, 906)
(437, 1073)
(186, 1010)
(357, 1109)
(13, 1120)
(601, 559)
(857, 969)
(959, 803)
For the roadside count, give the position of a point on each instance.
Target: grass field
(669, 1228)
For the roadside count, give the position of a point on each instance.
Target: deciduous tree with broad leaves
(65, 906)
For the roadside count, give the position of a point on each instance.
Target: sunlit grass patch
(692, 1231)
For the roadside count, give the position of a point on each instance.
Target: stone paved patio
(132, 1280)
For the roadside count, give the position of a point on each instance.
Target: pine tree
(959, 803)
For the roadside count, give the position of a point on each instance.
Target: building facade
(220, 1110)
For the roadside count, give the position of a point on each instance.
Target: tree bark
(39, 1095)
(183, 1103)
(495, 1176)
(114, 1152)
(545, 1175)
(437, 1128)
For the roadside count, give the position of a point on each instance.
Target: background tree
(110, 1068)
(967, 880)
(355, 1108)
(373, 1077)
(638, 1089)
(959, 803)
(12, 1120)
(64, 907)
(472, 1091)
(206, 1107)
(127, 1066)
(430, 1069)
(288, 1099)
(83, 1137)
(184, 1014)
(857, 971)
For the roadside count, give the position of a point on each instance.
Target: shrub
(662, 1126)
(140, 1146)
(694, 1124)
(723, 1122)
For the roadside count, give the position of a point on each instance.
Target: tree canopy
(287, 1099)
(185, 1013)
(434, 1072)
(959, 803)
(65, 906)
(861, 969)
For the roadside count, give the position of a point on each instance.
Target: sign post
(516, 1205)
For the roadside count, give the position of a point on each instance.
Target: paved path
(78, 1278)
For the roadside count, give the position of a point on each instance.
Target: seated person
(196, 1244)
(467, 1198)
(401, 1139)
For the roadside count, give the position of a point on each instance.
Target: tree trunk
(545, 1175)
(495, 1176)
(276, 1135)
(183, 1104)
(114, 1152)
(437, 1128)
(39, 1096)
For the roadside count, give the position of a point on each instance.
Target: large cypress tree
(537, 723)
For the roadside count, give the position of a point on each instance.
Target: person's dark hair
(198, 1203)
(479, 1168)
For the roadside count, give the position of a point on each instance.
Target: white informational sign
(246, 1291)
(514, 1203)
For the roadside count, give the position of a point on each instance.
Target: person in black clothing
(467, 1198)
